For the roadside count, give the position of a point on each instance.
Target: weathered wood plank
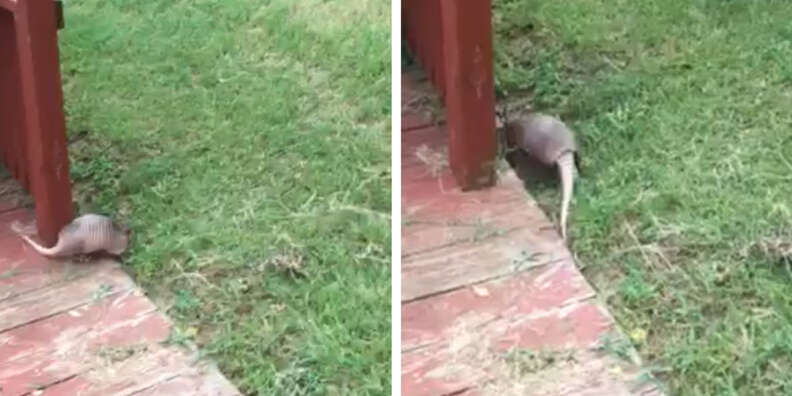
(128, 315)
(444, 219)
(582, 373)
(532, 292)
(136, 374)
(473, 350)
(428, 188)
(454, 208)
(463, 264)
(65, 345)
(41, 303)
(426, 236)
(433, 138)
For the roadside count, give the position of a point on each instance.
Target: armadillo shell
(544, 137)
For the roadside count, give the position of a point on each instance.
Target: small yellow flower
(638, 335)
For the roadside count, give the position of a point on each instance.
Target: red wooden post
(469, 92)
(45, 131)
(10, 106)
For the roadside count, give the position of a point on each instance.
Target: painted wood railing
(452, 41)
(32, 124)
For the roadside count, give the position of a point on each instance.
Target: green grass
(247, 144)
(683, 109)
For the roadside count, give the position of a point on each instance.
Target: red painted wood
(192, 383)
(452, 41)
(433, 138)
(21, 309)
(118, 319)
(463, 356)
(8, 4)
(452, 238)
(535, 292)
(10, 99)
(449, 267)
(470, 95)
(424, 36)
(55, 349)
(47, 159)
(159, 371)
(130, 376)
(436, 212)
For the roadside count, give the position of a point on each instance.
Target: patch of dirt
(289, 262)
(112, 355)
(776, 249)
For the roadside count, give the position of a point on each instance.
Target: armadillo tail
(566, 167)
(41, 249)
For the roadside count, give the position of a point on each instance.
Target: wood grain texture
(25, 308)
(461, 264)
(553, 286)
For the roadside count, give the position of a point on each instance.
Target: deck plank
(29, 307)
(472, 350)
(57, 348)
(85, 328)
(144, 372)
(461, 264)
(553, 286)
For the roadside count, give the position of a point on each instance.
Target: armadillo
(551, 142)
(87, 234)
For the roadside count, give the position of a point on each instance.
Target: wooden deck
(492, 301)
(84, 328)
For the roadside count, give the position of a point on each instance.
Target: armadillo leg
(566, 167)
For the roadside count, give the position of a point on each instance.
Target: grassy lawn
(247, 143)
(684, 111)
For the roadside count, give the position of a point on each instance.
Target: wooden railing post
(469, 92)
(44, 121)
